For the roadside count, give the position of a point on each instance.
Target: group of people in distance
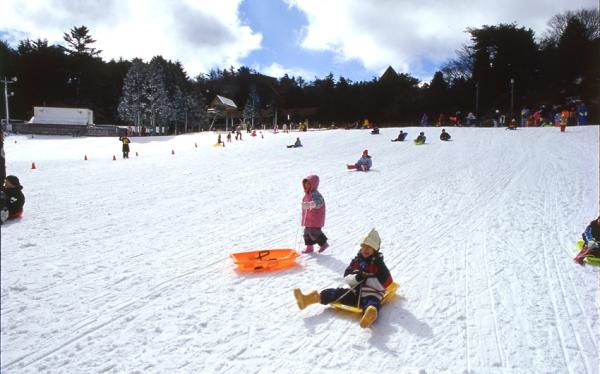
(444, 136)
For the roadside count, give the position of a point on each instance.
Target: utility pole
(6, 95)
(477, 99)
(512, 91)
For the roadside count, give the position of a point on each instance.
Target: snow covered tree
(195, 108)
(132, 103)
(158, 108)
(251, 110)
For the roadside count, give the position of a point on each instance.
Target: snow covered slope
(123, 266)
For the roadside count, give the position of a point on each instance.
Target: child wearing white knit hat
(368, 277)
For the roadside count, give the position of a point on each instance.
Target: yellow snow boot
(303, 301)
(369, 316)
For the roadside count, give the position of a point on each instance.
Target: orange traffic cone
(172, 151)
(85, 158)
(33, 165)
(114, 158)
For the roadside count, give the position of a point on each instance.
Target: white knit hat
(372, 239)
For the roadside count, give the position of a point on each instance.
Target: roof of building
(223, 102)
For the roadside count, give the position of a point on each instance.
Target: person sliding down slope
(367, 275)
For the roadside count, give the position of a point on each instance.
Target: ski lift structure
(224, 107)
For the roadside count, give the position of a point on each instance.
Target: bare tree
(557, 25)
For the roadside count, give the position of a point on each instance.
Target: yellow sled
(390, 292)
(592, 260)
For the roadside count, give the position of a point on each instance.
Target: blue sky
(356, 39)
(282, 29)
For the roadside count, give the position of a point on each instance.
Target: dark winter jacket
(401, 137)
(592, 232)
(376, 284)
(13, 199)
(125, 140)
(444, 136)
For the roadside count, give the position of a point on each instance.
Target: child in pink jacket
(313, 215)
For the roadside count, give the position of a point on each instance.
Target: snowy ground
(123, 266)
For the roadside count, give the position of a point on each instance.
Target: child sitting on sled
(219, 141)
(296, 144)
(11, 199)
(420, 139)
(591, 236)
(313, 215)
(367, 275)
(444, 136)
(401, 137)
(364, 163)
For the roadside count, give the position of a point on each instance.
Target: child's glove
(360, 275)
(592, 244)
(306, 205)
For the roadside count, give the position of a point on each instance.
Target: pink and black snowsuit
(313, 212)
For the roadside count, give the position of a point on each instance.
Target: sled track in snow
(121, 312)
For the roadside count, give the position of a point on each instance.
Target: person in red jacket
(368, 277)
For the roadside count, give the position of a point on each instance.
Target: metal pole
(477, 99)
(512, 85)
(6, 101)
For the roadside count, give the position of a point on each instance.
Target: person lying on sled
(591, 236)
(367, 275)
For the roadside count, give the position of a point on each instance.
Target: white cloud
(405, 33)
(202, 34)
(278, 71)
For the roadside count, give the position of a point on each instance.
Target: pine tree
(79, 40)
(158, 108)
(251, 111)
(132, 103)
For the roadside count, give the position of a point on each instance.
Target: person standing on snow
(582, 114)
(125, 140)
(368, 277)
(591, 237)
(313, 215)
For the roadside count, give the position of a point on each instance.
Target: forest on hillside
(504, 67)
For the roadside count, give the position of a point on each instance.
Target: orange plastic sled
(267, 259)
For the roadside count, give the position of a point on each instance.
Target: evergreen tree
(79, 42)
(251, 111)
(132, 103)
(158, 109)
